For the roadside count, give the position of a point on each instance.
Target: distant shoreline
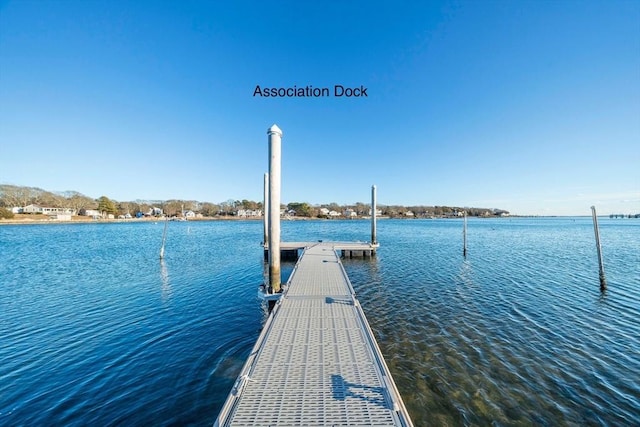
(87, 220)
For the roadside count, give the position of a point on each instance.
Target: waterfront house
(350, 213)
(35, 209)
(32, 209)
(93, 213)
(249, 213)
(154, 212)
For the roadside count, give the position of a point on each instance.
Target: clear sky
(529, 106)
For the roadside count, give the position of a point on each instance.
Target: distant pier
(619, 215)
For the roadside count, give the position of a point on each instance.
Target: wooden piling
(275, 148)
(603, 280)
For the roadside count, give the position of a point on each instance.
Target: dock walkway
(316, 361)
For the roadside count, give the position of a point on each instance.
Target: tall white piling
(265, 209)
(603, 280)
(374, 237)
(164, 237)
(464, 236)
(275, 150)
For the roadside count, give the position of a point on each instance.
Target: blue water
(95, 329)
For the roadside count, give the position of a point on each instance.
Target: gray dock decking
(316, 361)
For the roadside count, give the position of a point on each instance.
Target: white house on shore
(330, 214)
(36, 209)
(154, 212)
(58, 214)
(350, 213)
(249, 213)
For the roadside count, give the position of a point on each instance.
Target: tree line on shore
(19, 196)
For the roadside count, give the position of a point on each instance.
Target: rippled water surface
(95, 329)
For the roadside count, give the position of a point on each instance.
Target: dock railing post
(374, 237)
(275, 151)
(464, 236)
(603, 280)
(265, 210)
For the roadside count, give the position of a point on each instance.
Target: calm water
(94, 329)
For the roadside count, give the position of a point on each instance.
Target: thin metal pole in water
(374, 237)
(275, 149)
(164, 238)
(265, 209)
(603, 280)
(464, 236)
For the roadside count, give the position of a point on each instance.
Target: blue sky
(529, 106)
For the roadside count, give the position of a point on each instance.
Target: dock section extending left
(316, 361)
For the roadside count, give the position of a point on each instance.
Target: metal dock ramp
(316, 362)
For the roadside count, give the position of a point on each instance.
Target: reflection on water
(517, 333)
(466, 272)
(164, 277)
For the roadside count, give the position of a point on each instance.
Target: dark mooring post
(275, 150)
(603, 280)
(374, 237)
(464, 236)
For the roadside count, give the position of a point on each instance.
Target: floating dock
(316, 361)
(291, 251)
